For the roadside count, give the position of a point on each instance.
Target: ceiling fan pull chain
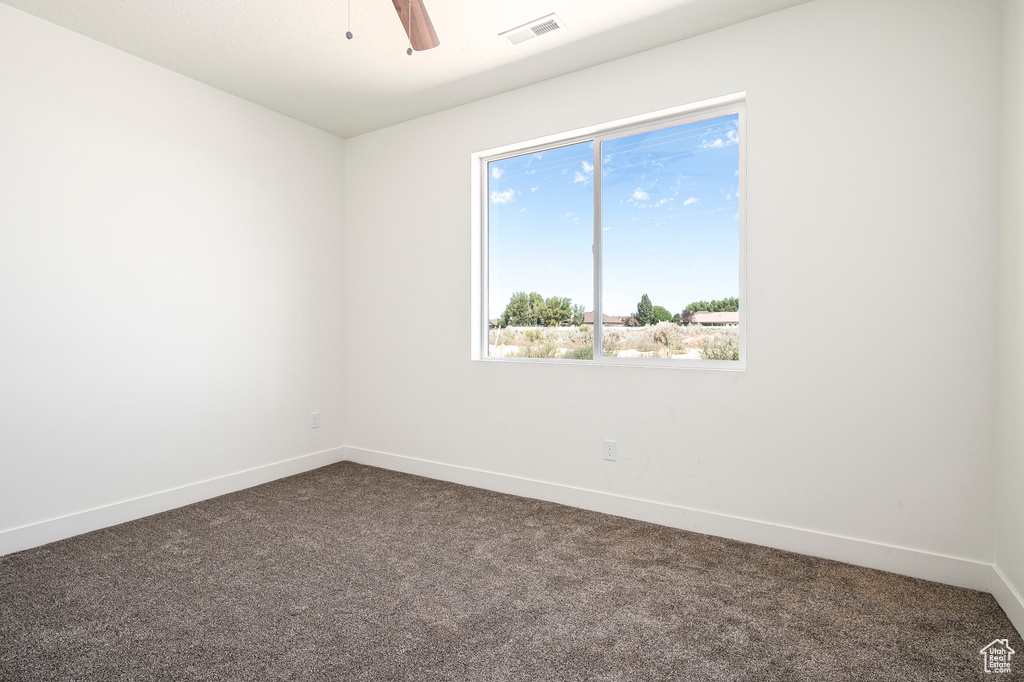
(409, 51)
(348, 32)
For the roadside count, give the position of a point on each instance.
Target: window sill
(649, 363)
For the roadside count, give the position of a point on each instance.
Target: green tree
(725, 305)
(536, 308)
(517, 312)
(529, 310)
(523, 310)
(661, 314)
(577, 315)
(644, 312)
(557, 311)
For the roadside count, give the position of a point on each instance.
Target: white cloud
(731, 137)
(503, 197)
(640, 195)
(664, 200)
(588, 167)
(569, 214)
(496, 172)
(580, 177)
(534, 189)
(691, 200)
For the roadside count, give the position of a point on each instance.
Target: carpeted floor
(356, 573)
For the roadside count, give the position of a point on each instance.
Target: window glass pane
(670, 242)
(540, 230)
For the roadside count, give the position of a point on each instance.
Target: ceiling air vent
(535, 28)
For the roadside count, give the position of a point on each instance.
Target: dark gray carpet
(356, 573)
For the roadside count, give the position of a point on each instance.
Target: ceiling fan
(416, 23)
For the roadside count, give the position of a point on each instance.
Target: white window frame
(689, 113)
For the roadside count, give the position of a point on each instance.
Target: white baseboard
(905, 561)
(33, 535)
(951, 570)
(1009, 598)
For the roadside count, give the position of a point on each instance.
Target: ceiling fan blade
(420, 30)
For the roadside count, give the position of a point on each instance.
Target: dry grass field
(662, 340)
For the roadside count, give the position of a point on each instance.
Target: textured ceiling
(291, 56)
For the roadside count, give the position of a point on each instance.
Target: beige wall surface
(872, 192)
(170, 282)
(1009, 476)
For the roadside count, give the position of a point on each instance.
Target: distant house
(606, 320)
(729, 319)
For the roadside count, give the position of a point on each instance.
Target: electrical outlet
(314, 420)
(609, 450)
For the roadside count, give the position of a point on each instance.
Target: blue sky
(670, 227)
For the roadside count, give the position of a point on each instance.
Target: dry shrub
(538, 350)
(611, 341)
(580, 353)
(644, 341)
(671, 336)
(720, 345)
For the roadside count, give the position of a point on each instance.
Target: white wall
(1009, 478)
(872, 171)
(170, 284)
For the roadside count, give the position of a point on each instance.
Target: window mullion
(598, 327)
